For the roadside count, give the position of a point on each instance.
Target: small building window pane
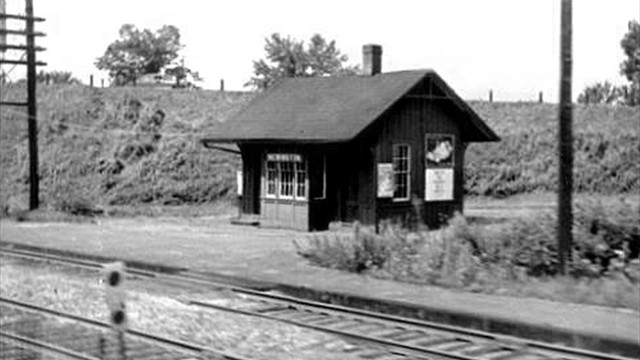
(286, 179)
(301, 181)
(272, 176)
(401, 171)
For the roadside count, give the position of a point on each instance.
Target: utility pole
(32, 110)
(565, 137)
(31, 105)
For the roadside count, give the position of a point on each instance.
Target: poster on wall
(385, 180)
(239, 182)
(439, 150)
(439, 185)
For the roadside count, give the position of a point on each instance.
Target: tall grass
(606, 148)
(124, 146)
(518, 257)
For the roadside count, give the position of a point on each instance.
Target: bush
(71, 198)
(517, 257)
(361, 251)
(606, 238)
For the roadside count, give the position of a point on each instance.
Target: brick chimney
(371, 59)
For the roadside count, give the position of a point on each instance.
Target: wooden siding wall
(407, 122)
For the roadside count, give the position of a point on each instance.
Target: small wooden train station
(373, 147)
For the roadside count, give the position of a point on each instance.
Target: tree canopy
(288, 57)
(630, 67)
(629, 94)
(600, 93)
(139, 52)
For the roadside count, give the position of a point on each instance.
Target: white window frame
(298, 167)
(286, 185)
(268, 194)
(406, 173)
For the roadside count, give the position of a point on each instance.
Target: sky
(508, 46)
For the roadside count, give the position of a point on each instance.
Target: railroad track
(27, 329)
(369, 335)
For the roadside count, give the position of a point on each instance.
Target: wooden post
(565, 137)
(221, 84)
(32, 108)
(101, 82)
(91, 80)
(490, 95)
(3, 26)
(540, 98)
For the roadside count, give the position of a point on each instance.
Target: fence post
(490, 95)
(221, 84)
(540, 99)
(91, 80)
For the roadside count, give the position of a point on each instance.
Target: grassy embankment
(118, 149)
(133, 147)
(607, 147)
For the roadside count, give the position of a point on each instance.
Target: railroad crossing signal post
(114, 275)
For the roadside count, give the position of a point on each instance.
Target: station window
(272, 178)
(401, 171)
(286, 177)
(301, 180)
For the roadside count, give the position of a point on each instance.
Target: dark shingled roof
(329, 109)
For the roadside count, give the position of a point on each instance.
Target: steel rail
(40, 345)
(510, 341)
(179, 345)
(502, 341)
(68, 260)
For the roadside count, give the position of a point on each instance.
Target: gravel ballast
(164, 312)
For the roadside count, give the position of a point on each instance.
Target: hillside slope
(130, 146)
(606, 145)
(118, 146)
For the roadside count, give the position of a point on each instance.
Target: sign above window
(284, 157)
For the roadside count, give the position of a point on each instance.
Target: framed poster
(439, 150)
(239, 182)
(438, 185)
(385, 180)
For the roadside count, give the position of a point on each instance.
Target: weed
(519, 257)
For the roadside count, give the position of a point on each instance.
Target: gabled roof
(330, 109)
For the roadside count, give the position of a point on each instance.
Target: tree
(629, 94)
(600, 93)
(139, 52)
(182, 74)
(287, 57)
(630, 67)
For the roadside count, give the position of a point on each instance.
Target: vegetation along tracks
(368, 334)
